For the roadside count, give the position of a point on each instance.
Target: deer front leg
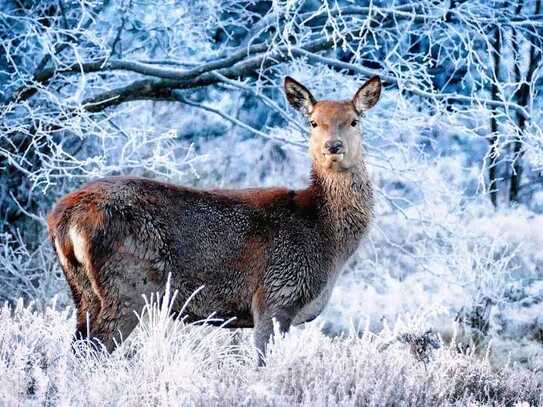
(263, 315)
(262, 335)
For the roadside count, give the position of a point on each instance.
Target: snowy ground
(168, 363)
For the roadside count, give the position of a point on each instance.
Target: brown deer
(261, 254)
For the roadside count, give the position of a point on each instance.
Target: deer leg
(121, 284)
(87, 311)
(263, 317)
(264, 330)
(87, 304)
(115, 324)
(262, 335)
(117, 318)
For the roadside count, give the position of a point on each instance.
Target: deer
(260, 254)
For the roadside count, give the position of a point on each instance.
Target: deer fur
(260, 253)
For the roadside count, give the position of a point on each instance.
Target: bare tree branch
(177, 96)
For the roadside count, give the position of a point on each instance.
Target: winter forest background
(442, 304)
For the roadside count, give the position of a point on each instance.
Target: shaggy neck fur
(347, 203)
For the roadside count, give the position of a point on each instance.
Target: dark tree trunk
(522, 98)
(493, 138)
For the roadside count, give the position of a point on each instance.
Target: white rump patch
(80, 245)
(61, 257)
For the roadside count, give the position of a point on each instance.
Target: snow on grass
(167, 362)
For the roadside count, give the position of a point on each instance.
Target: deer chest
(313, 308)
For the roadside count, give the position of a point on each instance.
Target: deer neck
(347, 204)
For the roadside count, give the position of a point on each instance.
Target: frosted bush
(27, 273)
(166, 362)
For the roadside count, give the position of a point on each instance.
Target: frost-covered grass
(166, 362)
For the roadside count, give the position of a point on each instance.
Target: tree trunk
(523, 97)
(493, 138)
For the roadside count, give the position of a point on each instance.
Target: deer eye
(313, 123)
(354, 123)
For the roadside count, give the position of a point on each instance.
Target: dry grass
(169, 363)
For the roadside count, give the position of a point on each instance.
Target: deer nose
(334, 146)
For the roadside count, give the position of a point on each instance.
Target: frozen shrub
(166, 362)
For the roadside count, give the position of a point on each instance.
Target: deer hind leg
(114, 324)
(87, 304)
(121, 283)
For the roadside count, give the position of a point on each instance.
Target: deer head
(335, 142)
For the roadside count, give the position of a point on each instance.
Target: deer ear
(367, 96)
(298, 96)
